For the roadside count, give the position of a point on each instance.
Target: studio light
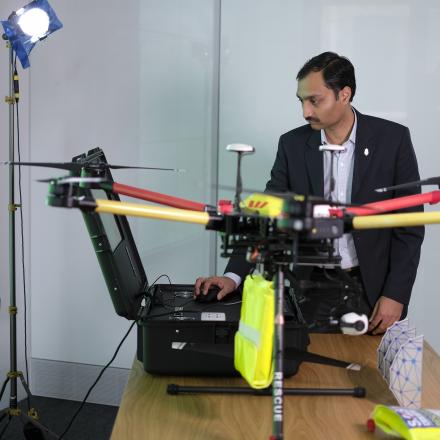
(34, 22)
(29, 24)
(23, 29)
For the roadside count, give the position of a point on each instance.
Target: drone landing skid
(290, 354)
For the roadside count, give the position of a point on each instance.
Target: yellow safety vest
(253, 345)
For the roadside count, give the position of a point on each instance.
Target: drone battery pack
(182, 336)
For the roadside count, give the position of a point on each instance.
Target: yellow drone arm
(396, 220)
(203, 218)
(150, 211)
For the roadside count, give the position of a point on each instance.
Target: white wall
(139, 79)
(136, 79)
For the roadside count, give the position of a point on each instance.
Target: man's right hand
(226, 285)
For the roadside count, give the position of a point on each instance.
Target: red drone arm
(432, 198)
(156, 197)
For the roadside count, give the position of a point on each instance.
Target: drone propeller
(69, 179)
(78, 166)
(417, 183)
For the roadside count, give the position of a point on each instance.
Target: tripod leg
(5, 411)
(34, 428)
(31, 411)
(25, 385)
(32, 417)
(4, 387)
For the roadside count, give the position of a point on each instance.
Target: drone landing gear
(174, 389)
(280, 354)
(290, 354)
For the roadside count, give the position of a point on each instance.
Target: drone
(273, 230)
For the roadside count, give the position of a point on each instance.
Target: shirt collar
(352, 137)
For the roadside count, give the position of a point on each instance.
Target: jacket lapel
(363, 153)
(314, 163)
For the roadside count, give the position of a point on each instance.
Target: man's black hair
(337, 71)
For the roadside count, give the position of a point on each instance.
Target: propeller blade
(77, 166)
(417, 183)
(69, 166)
(118, 167)
(70, 179)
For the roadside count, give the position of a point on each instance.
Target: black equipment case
(182, 336)
(176, 334)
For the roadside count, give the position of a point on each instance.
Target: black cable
(216, 304)
(164, 275)
(22, 245)
(170, 303)
(117, 351)
(109, 363)
(97, 380)
(147, 293)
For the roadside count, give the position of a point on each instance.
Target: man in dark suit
(376, 153)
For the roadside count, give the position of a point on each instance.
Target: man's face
(320, 106)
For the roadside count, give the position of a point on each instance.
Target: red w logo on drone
(257, 204)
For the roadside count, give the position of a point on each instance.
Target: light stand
(20, 42)
(13, 374)
(31, 418)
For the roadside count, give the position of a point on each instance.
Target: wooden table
(147, 412)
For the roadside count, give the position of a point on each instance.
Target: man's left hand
(385, 313)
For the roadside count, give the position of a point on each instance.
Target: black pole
(278, 350)
(13, 401)
(238, 184)
(332, 177)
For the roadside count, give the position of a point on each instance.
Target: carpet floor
(94, 422)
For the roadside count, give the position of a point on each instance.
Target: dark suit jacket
(388, 258)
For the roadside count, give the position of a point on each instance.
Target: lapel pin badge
(366, 152)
